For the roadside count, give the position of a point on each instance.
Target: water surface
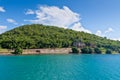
(60, 67)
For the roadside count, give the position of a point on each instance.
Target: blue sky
(100, 17)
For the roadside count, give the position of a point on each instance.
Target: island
(42, 39)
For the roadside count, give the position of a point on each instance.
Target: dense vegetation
(40, 36)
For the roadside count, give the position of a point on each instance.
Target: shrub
(90, 50)
(87, 50)
(118, 51)
(75, 50)
(18, 50)
(108, 51)
(97, 50)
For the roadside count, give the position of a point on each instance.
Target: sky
(100, 17)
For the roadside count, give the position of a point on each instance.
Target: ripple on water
(60, 67)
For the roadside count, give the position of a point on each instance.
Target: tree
(108, 51)
(87, 50)
(17, 50)
(75, 50)
(97, 50)
(90, 50)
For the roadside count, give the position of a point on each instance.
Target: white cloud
(78, 27)
(99, 33)
(109, 30)
(116, 39)
(29, 11)
(2, 28)
(105, 33)
(2, 9)
(61, 17)
(12, 21)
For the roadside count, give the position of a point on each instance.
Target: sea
(60, 67)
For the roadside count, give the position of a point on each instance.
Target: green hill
(40, 36)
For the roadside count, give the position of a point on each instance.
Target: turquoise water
(60, 67)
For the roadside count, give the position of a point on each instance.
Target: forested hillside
(40, 36)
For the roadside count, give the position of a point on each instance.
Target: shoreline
(38, 51)
(41, 51)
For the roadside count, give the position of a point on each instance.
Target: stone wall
(39, 51)
(48, 51)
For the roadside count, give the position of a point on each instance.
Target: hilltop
(40, 36)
